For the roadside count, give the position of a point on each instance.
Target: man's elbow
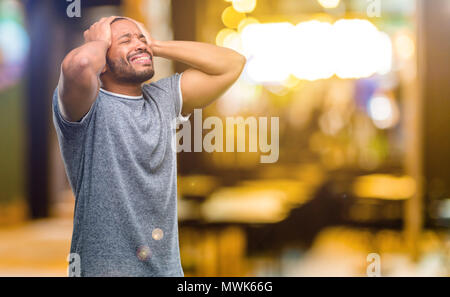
(75, 64)
(239, 64)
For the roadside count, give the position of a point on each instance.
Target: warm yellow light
(313, 51)
(245, 6)
(361, 50)
(241, 97)
(322, 17)
(222, 35)
(404, 46)
(233, 41)
(245, 22)
(384, 186)
(231, 18)
(329, 3)
(291, 82)
(267, 48)
(245, 204)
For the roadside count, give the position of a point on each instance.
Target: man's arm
(214, 69)
(79, 84)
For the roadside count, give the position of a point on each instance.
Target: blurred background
(362, 92)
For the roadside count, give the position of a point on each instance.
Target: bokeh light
(404, 46)
(157, 234)
(14, 42)
(143, 253)
(383, 111)
(361, 49)
(222, 35)
(231, 18)
(313, 50)
(329, 3)
(245, 6)
(245, 22)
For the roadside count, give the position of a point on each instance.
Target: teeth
(140, 59)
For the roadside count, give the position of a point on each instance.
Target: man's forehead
(121, 27)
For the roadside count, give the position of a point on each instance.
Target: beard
(124, 72)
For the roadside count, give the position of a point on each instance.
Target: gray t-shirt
(122, 170)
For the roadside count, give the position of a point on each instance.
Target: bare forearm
(208, 58)
(90, 55)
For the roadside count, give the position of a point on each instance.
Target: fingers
(99, 30)
(110, 19)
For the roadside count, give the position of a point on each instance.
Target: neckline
(121, 95)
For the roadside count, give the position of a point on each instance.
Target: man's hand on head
(80, 70)
(100, 31)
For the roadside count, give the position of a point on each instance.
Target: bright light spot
(313, 51)
(222, 35)
(143, 253)
(157, 234)
(241, 96)
(384, 186)
(233, 41)
(14, 42)
(267, 47)
(383, 48)
(291, 82)
(245, 22)
(404, 46)
(244, 5)
(231, 18)
(322, 17)
(245, 204)
(383, 111)
(361, 50)
(329, 3)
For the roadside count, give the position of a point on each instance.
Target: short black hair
(118, 19)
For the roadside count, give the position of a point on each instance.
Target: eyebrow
(128, 35)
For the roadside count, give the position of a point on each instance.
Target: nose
(142, 46)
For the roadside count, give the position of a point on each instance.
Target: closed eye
(142, 38)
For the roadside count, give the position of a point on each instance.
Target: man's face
(130, 58)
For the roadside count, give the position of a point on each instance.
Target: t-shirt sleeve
(67, 129)
(171, 86)
(180, 117)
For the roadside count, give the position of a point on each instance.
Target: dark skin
(119, 56)
(127, 43)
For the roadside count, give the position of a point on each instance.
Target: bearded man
(115, 135)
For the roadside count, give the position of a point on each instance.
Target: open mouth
(143, 58)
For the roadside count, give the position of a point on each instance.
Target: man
(115, 138)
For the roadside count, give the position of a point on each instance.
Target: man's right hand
(80, 70)
(100, 31)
